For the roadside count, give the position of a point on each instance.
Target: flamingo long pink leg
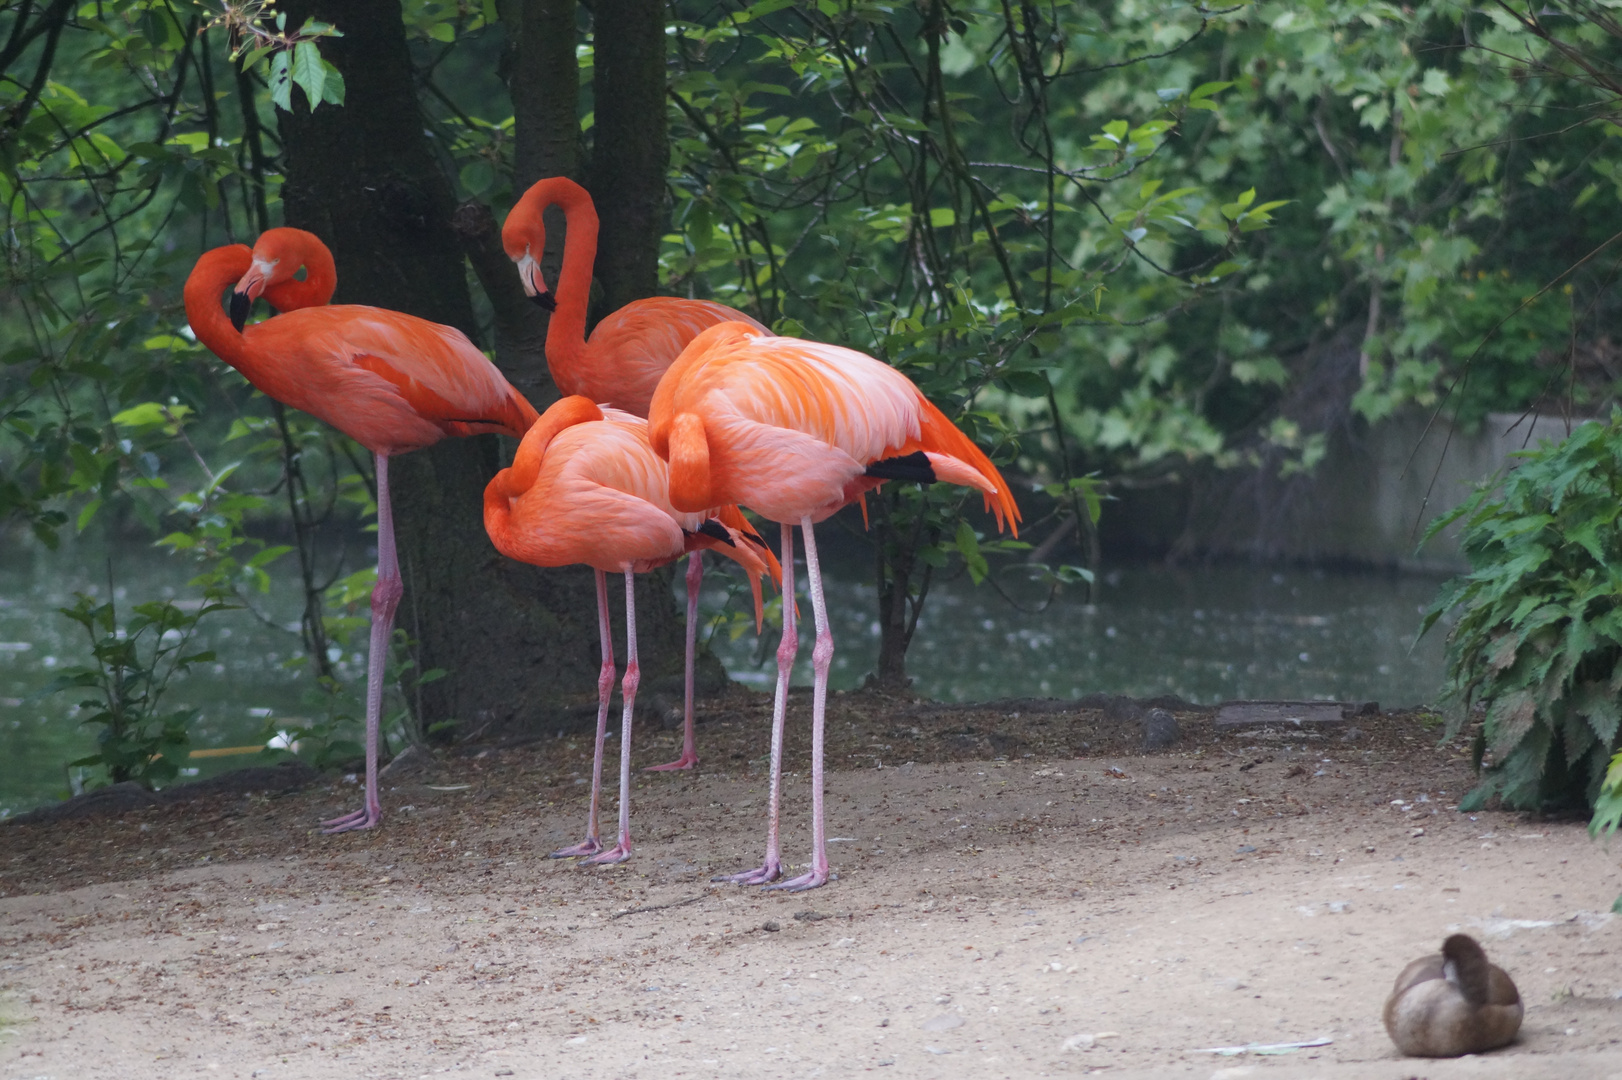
(385, 599)
(633, 676)
(689, 741)
(592, 844)
(772, 867)
(821, 659)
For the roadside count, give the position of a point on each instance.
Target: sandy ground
(1003, 909)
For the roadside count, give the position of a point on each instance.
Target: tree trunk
(903, 581)
(518, 644)
(630, 150)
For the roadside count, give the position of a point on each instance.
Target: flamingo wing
(791, 428)
(392, 381)
(587, 488)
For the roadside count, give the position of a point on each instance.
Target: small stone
(1160, 730)
(944, 1022)
(1079, 1042)
(771, 926)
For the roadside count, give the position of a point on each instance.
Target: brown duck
(1453, 1002)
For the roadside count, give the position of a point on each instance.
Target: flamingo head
(529, 272)
(278, 255)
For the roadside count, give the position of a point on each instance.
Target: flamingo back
(630, 350)
(391, 381)
(789, 427)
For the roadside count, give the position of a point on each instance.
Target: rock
(1279, 713)
(1160, 729)
(1079, 1042)
(1123, 710)
(285, 775)
(411, 761)
(944, 1022)
(115, 799)
(118, 798)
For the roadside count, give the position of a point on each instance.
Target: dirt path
(1028, 916)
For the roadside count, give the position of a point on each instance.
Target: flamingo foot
(589, 846)
(811, 880)
(686, 761)
(770, 871)
(616, 854)
(366, 818)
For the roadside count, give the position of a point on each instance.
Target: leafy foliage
(133, 664)
(1539, 643)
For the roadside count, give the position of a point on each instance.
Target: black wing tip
(546, 301)
(716, 531)
(241, 305)
(914, 466)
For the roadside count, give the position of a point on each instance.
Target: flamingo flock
(675, 414)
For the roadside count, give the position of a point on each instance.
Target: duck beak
(241, 305)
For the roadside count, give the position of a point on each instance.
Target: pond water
(1206, 634)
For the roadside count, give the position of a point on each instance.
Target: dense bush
(1539, 640)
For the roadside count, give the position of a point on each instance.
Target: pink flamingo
(585, 487)
(795, 430)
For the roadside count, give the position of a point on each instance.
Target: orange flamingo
(585, 487)
(628, 351)
(390, 381)
(795, 430)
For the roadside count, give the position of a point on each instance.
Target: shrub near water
(1539, 640)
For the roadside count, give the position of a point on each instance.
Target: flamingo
(585, 487)
(795, 430)
(390, 381)
(628, 351)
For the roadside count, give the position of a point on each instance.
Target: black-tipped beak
(241, 305)
(545, 300)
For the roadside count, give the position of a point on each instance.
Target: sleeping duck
(1452, 1003)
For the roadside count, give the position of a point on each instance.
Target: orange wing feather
(788, 427)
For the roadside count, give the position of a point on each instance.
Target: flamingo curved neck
(566, 334)
(215, 272)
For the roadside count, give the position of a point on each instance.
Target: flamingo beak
(248, 290)
(529, 272)
(241, 305)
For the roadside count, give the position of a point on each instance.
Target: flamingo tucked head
(278, 256)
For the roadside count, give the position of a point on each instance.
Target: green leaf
(968, 545)
(309, 72)
(281, 82)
